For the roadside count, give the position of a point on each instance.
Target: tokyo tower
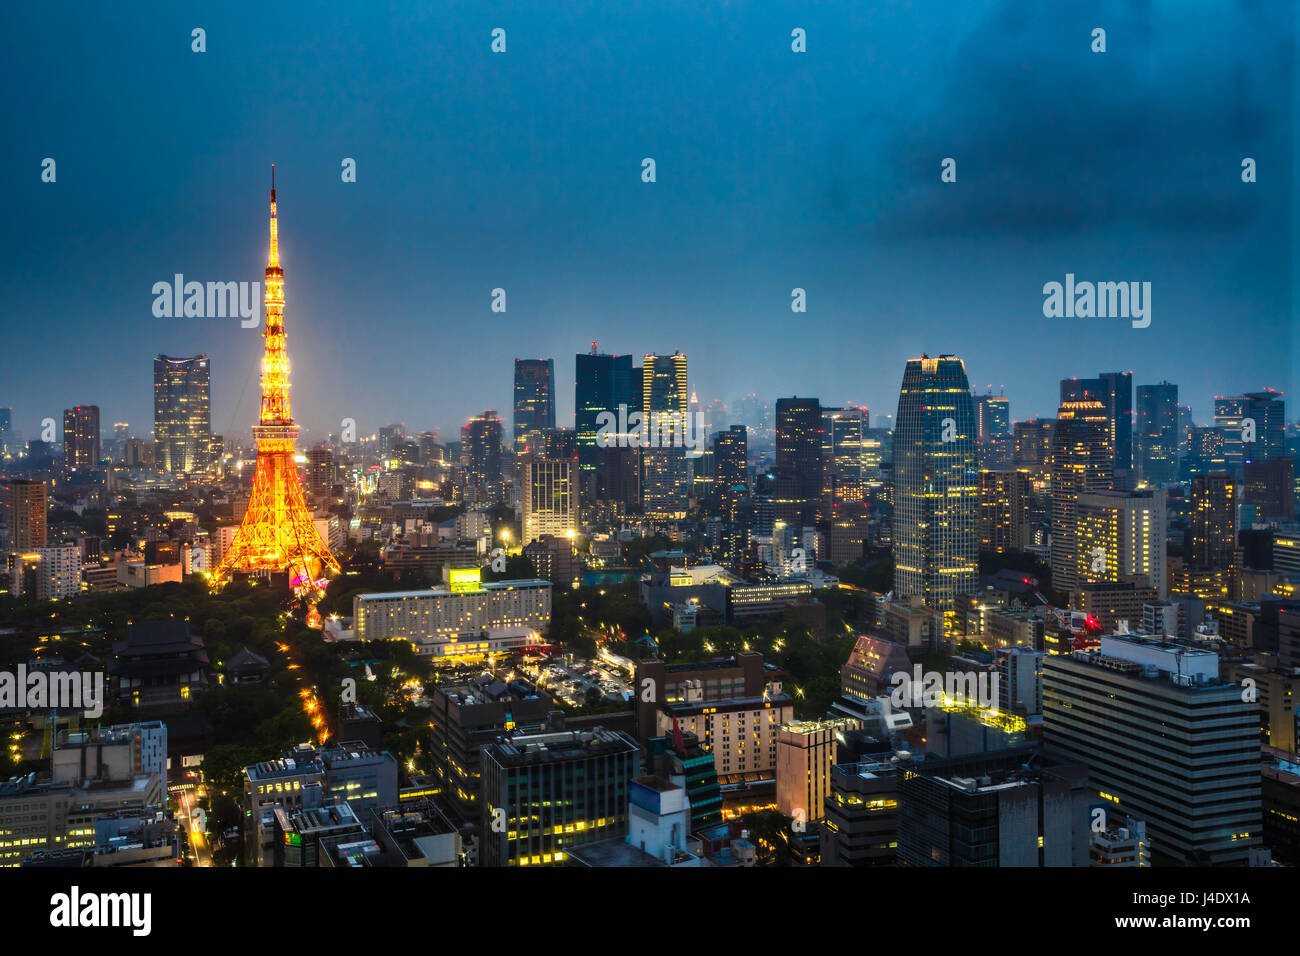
(277, 533)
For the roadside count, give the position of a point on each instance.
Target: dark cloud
(1052, 139)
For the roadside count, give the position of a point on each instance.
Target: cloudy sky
(522, 170)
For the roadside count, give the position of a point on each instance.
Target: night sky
(523, 171)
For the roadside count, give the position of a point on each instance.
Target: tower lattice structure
(277, 533)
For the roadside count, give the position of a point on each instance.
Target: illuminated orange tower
(277, 533)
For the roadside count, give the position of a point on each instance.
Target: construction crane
(1082, 625)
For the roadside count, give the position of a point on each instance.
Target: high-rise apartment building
(26, 502)
(936, 483)
(320, 471)
(81, 438)
(1212, 523)
(481, 448)
(1004, 500)
(182, 417)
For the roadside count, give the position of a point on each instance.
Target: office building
(1120, 534)
(534, 401)
(1115, 392)
(679, 757)
(936, 483)
(1032, 448)
(842, 434)
(860, 823)
(466, 717)
(182, 417)
(1081, 464)
(1261, 414)
(1165, 740)
(1270, 487)
(602, 383)
(993, 442)
(546, 793)
(549, 497)
(992, 809)
(1157, 434)
(730, 450)
(665, 473)
(300, 834)
(805, 754)
(1119, 842)
(799, 461)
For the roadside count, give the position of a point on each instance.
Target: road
(198, 842)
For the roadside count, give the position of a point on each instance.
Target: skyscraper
(1115, 391)
(320, 471)
(534, 399)
(277, 533)
(182, 421)
(27, 514)
(1121, 534)
(843, 432)
(549, 501)
(81, 438)
(730, 450)
(1033, 447)
(1003, 510)
(664, 488)
(1157, 433)
(799, 439)
(1081, 463)
(993, 430)
(481, 448)
(1261, 414)
(936, 482)
(601, 384)
(1212, 523)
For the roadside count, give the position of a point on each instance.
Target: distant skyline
(522, 171)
